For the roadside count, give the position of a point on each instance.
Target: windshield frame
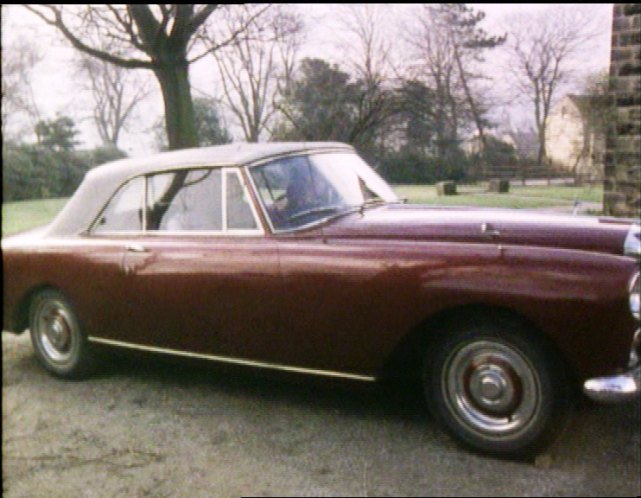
(348, 209)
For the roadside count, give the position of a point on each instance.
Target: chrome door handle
(136, 248)
(487, 229)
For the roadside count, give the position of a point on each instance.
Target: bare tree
(250, 68)
(368, 51)
(159, 38)
(448, 47)
(541, 48)
(115, 92)
(18, 60)
(434, 64)
(468, 41)
(369, 58)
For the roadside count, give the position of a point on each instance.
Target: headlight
(632, 244)
(635, 296)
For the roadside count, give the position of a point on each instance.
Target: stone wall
(622, 187)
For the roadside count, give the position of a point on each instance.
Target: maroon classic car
(299, 257)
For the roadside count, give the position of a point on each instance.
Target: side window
(124, 211)
(272, 179)
(239, 212)
(185, 200)
(277, 183)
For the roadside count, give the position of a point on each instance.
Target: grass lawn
(519, 197)
(567, 192)
(23, 215)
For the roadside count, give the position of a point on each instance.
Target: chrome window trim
(303, 152)
(184, 233)
(223, 193)
(232, 360)
(251, 232)
(144, 206)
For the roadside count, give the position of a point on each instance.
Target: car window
(273, 178)
(185, 200)
(239, 212)
(284, 185)
(124, 211)
(297, 191)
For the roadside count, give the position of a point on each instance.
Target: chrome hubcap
(58, 333)
(55, 330)
(491, 388)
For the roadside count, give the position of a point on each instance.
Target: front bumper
(615, 388)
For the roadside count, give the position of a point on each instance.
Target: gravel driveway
(155, 428)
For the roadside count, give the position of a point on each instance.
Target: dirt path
(146, 428)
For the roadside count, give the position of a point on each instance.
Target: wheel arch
(20, 318)
(407, 358)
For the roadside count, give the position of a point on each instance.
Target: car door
(201, 276)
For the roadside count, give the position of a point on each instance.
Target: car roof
(220, 155)
(101, 182)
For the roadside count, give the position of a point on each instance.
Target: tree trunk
(541, 155)
(476, 115)
(179, 109)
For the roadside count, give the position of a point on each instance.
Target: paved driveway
(150, 428)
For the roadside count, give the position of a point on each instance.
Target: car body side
(321, 301)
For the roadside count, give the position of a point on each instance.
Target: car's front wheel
(58, 340)
(497, 389)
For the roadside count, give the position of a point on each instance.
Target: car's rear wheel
(497, 389)
(58, 340)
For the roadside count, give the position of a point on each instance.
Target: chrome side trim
(235, 361)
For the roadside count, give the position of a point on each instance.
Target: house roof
(584, 103)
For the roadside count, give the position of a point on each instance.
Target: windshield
(300, 190)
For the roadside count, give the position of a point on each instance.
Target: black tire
(58, 340)
(497, 388)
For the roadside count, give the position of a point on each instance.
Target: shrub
(414, 166)
(34, 172)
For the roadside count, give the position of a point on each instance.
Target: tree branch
(58, 22)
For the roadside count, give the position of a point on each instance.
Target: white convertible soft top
(101, 182)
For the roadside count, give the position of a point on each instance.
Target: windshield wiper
(316, 210)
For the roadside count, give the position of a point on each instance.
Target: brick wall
(622, 188)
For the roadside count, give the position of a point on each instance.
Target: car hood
(474, 225)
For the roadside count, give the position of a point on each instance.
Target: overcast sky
(57, 92)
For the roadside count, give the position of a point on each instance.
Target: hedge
(35, 172)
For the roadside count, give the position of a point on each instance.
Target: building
(622, 190)
(473, 145)
(574, 142)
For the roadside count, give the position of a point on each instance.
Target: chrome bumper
(615, 388)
